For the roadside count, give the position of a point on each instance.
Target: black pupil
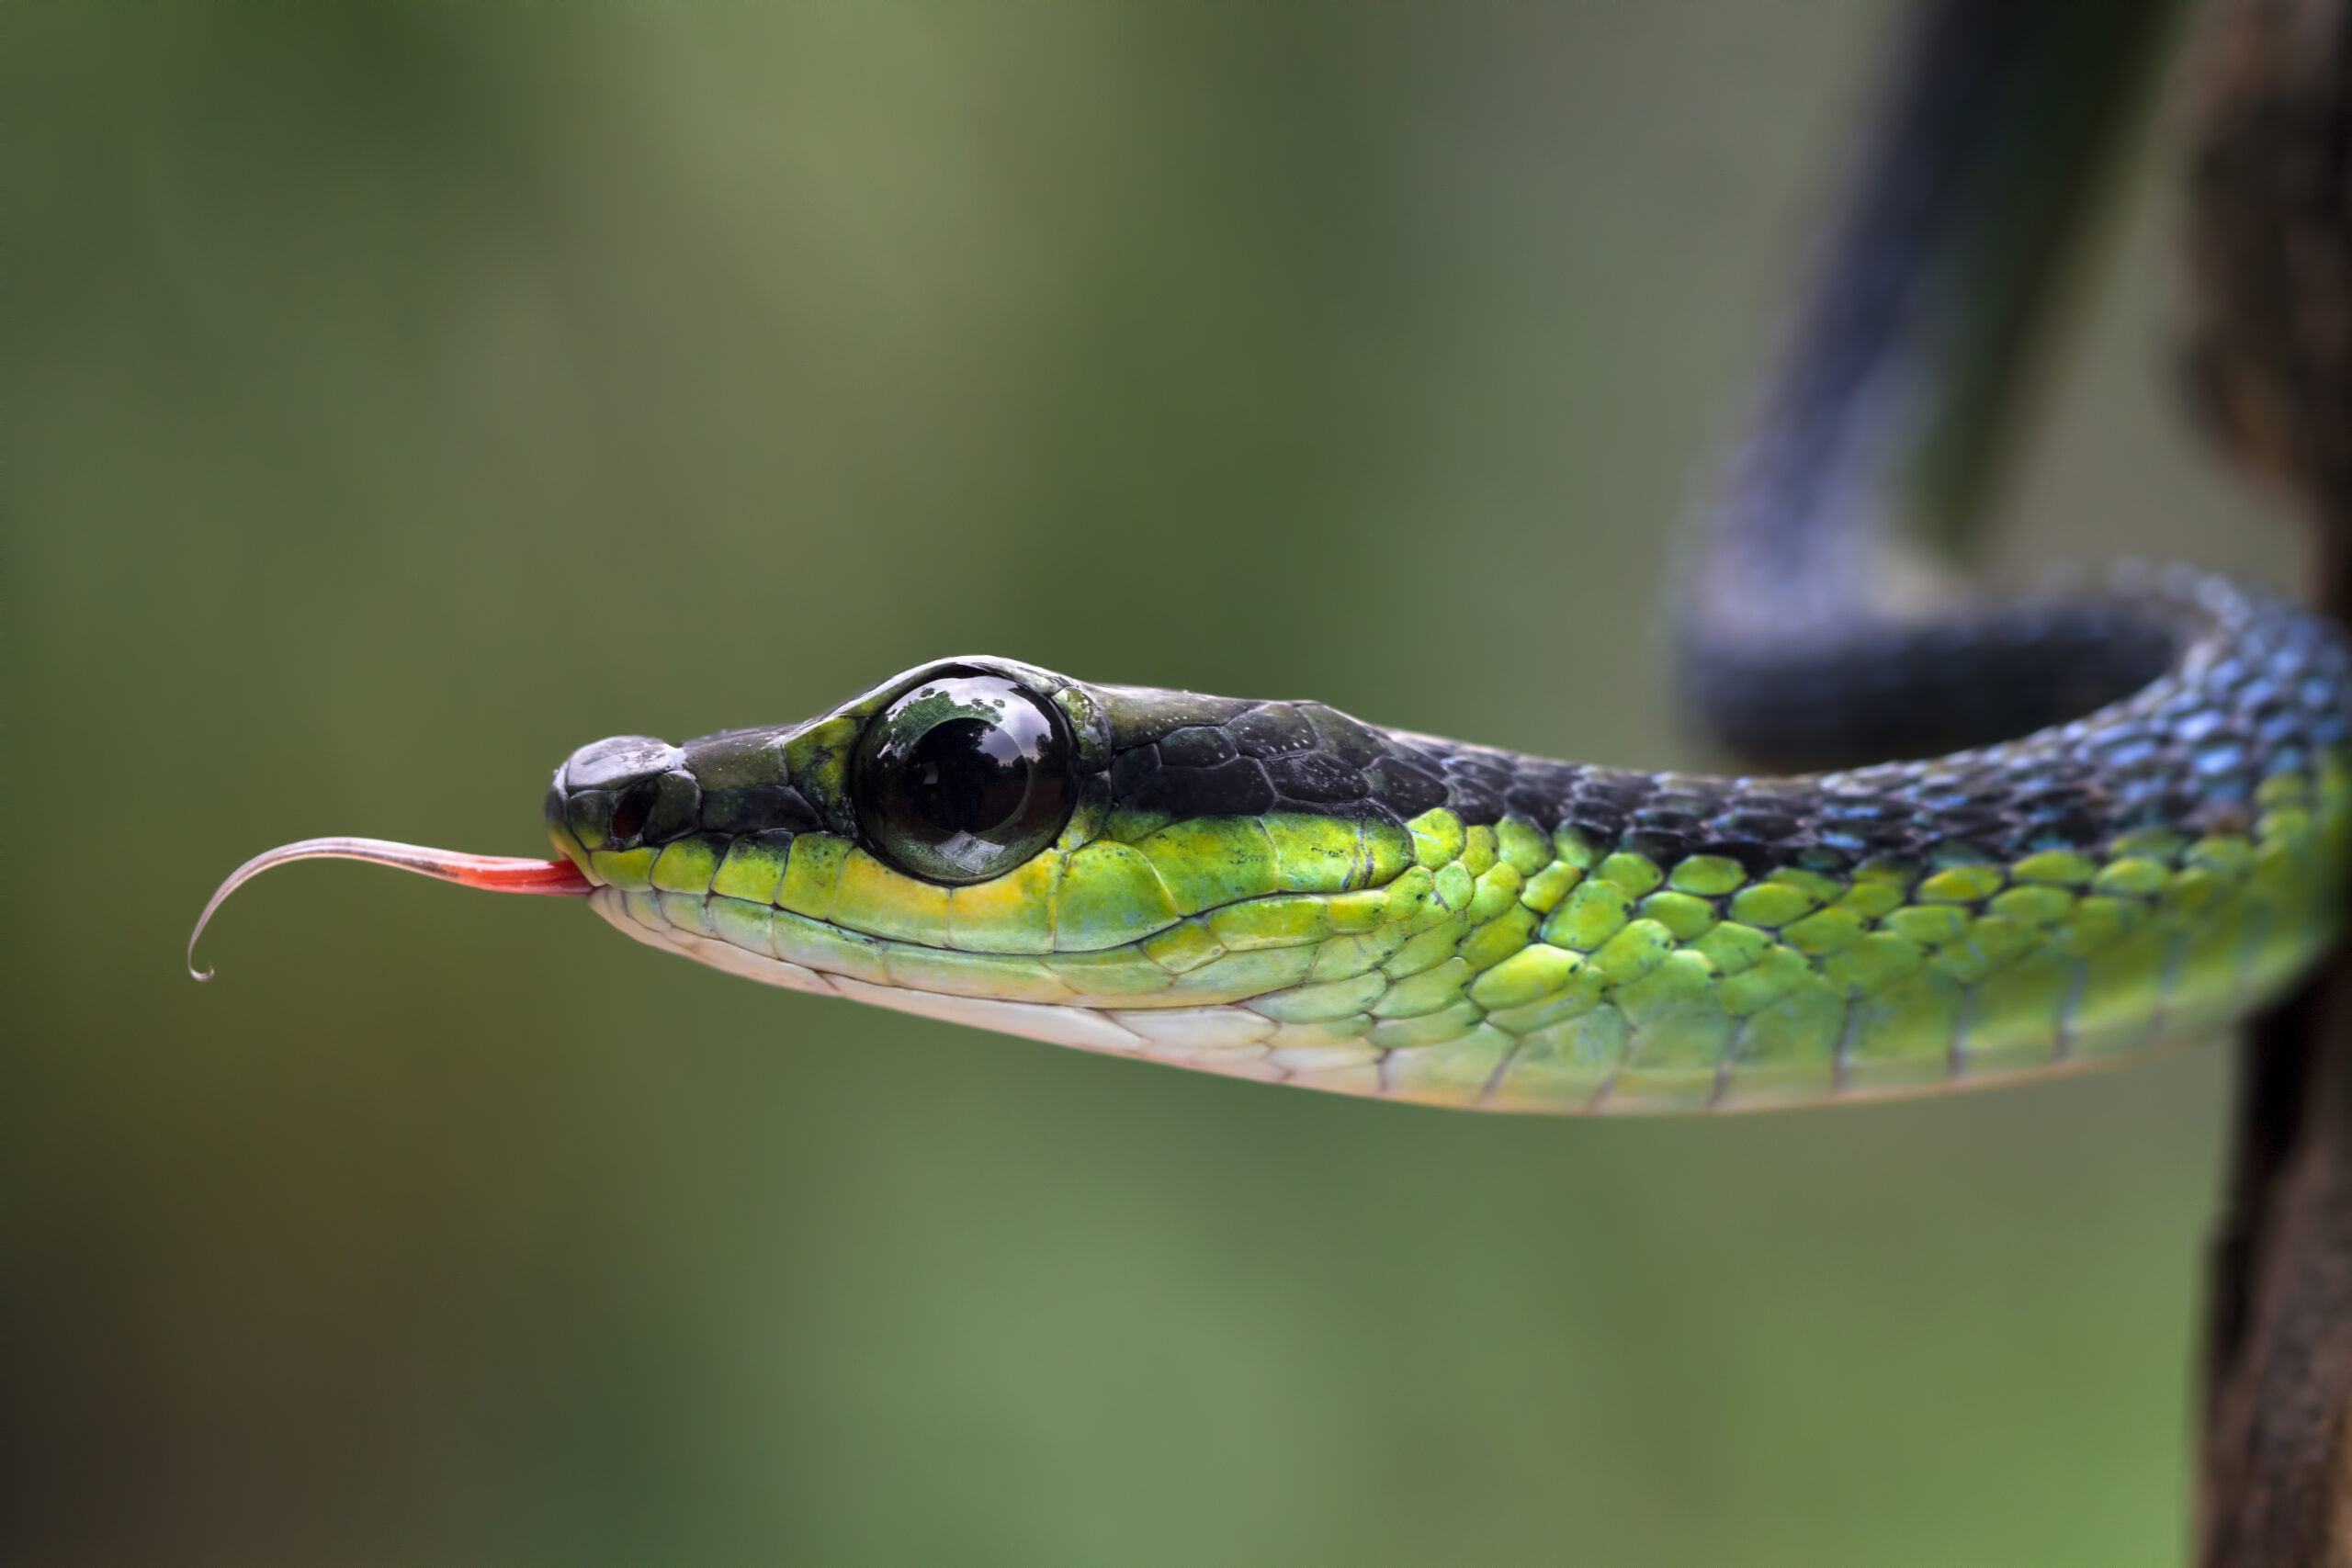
(963, 778)
(966, 775)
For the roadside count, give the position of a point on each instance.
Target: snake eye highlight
(963, 778)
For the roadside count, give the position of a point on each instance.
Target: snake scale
(2139, 838)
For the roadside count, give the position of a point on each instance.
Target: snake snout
(620, 792)
(633, 792)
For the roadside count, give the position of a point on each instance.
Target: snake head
(992, 842)
(951, 773)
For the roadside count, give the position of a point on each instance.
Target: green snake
(1275, 890)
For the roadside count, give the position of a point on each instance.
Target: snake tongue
(496, 874)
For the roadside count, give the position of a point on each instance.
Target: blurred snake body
(2136, 832)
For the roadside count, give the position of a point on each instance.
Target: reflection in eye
(963, 778)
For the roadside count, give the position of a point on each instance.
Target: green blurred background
(394, 396)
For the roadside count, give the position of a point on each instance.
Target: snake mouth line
(493, 874)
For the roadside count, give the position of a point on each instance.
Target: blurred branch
(2271, 246)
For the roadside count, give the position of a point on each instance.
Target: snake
(1982, 841)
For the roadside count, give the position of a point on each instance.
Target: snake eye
(963, 778)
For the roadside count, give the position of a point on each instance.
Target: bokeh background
(394, 396)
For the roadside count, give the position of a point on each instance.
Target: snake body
(1275, 890)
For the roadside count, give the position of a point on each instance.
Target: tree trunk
(2270, 251)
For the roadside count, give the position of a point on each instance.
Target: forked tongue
(496, 874)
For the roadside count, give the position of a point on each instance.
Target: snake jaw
(494, 874)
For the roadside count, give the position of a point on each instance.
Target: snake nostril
(632, 809)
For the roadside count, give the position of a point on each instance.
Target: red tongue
(497, 873)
